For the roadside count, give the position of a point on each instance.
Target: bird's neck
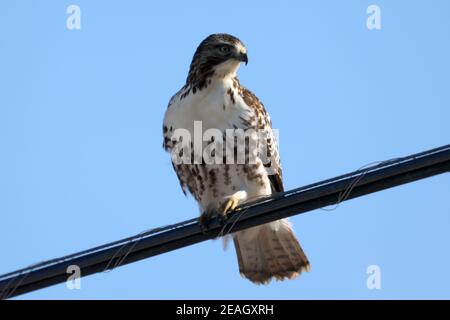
(202, 76)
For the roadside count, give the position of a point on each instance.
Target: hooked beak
(243, 57)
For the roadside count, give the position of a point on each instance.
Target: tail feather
(270, 251)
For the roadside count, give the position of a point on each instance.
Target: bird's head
(218, 55)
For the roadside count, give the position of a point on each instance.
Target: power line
(386, 174)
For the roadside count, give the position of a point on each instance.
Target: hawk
(213, 99)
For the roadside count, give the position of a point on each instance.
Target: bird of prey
(213, 99)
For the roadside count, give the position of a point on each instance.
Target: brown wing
(260, 120)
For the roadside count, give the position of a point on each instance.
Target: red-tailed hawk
(198, 132)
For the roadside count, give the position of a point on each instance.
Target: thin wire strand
(346, 193)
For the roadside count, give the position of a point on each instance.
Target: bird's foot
(229, 205)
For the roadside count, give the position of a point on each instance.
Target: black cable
(377, 177)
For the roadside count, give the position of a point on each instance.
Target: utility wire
(384, 175)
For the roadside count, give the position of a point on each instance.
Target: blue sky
(81, 162)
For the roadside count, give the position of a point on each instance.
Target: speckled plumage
(214, 97)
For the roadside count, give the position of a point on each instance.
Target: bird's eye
(224, 49)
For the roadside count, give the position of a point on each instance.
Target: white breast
(217, 108)
(212, 105)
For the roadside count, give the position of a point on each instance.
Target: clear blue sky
(81, 162)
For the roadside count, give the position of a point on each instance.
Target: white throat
(227, 69)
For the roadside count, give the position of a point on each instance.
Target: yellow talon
(228, 206)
